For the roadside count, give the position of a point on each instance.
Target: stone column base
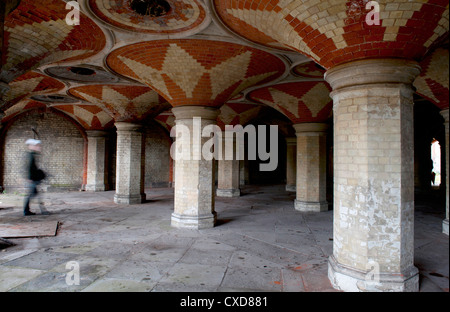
(350, 280)
(228, 192)
(291, 188)
(445, 226)
(95, 188)
(310, 206)
(129, 199)
(194, 222)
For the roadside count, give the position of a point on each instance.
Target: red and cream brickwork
(36, 33)
(29, 84)
(299, 101)
(433, 80)
(334, 32)
(91, 117)
(237, 114)
(184, 15)
(196, 72)
(123, 103)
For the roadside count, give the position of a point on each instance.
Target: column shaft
(373, 244)
(444, 113)
(194, 175)
(291, 164)
(228, 179)
(311, 167)
(97, 177)
(130, 164)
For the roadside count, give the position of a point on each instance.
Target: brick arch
(123, 102)
(36, 33)
(333, 32)
(64, 154)
(433, 82)
(308, 101)
(196, 72)
(29, 84)
(183, 16)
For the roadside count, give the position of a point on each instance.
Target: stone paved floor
(259, 244)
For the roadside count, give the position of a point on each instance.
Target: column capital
(189, 112)
(308, 128)
(128, 126)
(372, 71)
(291, 141)
(444, 113)
(96, 133)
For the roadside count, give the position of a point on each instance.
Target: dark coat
(33, 172)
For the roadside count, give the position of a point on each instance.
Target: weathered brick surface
(301, 102)
(157, 156)
(62, 155)
(334, 32)
(195, 72)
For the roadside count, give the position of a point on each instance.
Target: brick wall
(62, 155)
(157, 156)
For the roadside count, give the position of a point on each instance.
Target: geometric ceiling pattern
(132, 60)
(196, 72)
(123, 103)
(36, 33)
(182, 16)
(300, 102)
(91, 117)
(332, 32)
(433, 80)
(29, 84)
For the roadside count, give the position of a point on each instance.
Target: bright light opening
(436, 158)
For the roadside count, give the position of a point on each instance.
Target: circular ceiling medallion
(87, 74)
(150, 16)
(55, 98)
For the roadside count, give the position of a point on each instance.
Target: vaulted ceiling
(132, 60)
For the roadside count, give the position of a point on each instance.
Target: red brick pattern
(433, 82)
(20, 108)
(299, 101)
(309, 70)
(36, 33)
(196, 72)
(183, 16)
(335, 32)
(237, 114)
(90, 117)
(123, 103)
(29, 84)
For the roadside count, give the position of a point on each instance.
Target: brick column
(229, 179)
(373, 245)
(291, 164)
(444, 114)
(311, 167)
(194, 175)
(130, 164)
(97, 178)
